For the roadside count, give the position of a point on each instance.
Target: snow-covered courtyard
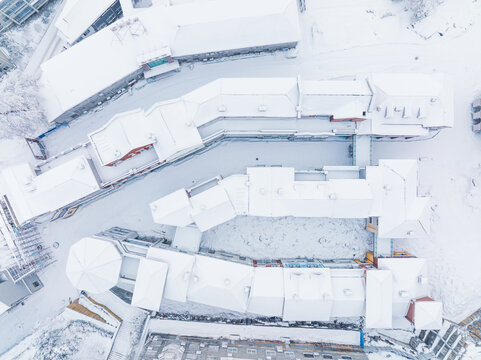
(340, 39)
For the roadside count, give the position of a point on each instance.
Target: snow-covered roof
(267, 293)
(164, 126)
(308, 294)
(198, 27)
(187, 238)
(382, 295)
(93, 265)
(178, 275)
(78, 15)
(404, 214)
(270, 192)
(348, 296)
(273, 191)
(243, 97)
(122, 134)
(238, 192)
(388, 191)
(428, 314)
(408, 281)
(149, 284)
(211, 207)
(340, 99)
(220, 283)
(173, 209)
(379, 295)
(31, 195)
(410, 100)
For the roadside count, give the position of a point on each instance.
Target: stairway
(116, 356)
(125, 337)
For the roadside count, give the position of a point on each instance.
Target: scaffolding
(29, 254)
(17, 11)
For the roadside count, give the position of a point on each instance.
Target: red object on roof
(410, 314)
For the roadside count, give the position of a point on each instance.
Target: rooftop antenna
(132, 26)
(136, 28)
(119, 29)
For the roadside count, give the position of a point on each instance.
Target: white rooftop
(267, 293)
(149, 284)
(403, 213)
(220, 283)
(173, 209)
(428, 315)
(383, 295)
(308, 294)
(211, 207)
(409, 281)
(93, 265)
(192, 28)
(173, 126)
(388, 192)
(379, 299)
(179, 270)
(348, 296)
(410, 100)
(31, 195)
(78, 15)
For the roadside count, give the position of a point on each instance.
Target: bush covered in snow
(422, 8)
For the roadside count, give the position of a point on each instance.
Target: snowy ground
(283, 237)
(341, 38)
(70, 336)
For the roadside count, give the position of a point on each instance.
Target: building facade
(5, 63)
(13, 293)
(164, 346)
(15, 12)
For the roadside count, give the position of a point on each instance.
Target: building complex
(15, 12)
(388, 291)
(153, 41)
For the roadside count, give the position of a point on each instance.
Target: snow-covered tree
(20, 111)
(421, 8)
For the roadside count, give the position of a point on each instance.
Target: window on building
(309, 355)
(231, 349)
(157, 62)
(252, 351)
